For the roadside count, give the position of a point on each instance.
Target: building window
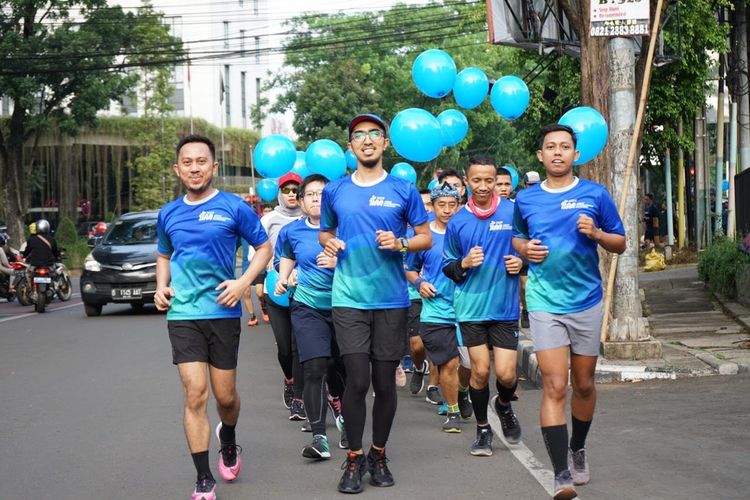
(243, 78)
(257, 50)
(227, 98)
(226, 34)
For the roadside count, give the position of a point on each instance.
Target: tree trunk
(118, 179)
(15, 186)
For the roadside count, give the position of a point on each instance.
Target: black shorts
(213, 341)
(380, 333)
(415, 310)
(502, 334)
(260, 279)
(440, 341)
(313, 331)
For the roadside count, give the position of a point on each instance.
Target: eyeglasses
(360, 135)
(289, 190)
(313, 194)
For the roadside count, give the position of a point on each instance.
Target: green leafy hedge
(719, 265)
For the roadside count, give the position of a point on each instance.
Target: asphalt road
(91, 409)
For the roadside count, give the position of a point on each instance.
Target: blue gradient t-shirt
(201, 239)
(366, 277)
(413, 293)
(489, 292)
(568, 280)
(429, 263)
(298, 241)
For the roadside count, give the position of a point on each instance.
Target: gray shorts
(581, 330)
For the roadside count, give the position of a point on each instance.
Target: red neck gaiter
(484, 213)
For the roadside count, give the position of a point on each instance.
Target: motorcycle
(48, 282)
(20, 282)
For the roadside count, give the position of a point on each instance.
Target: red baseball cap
(290, 177)
(367, 117)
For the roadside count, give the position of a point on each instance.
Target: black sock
(505, 393)
(579, 433)
(556, 441)
(479, 400)
(200, 460)
(226, 434)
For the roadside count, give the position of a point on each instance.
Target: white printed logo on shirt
(498, 225)
(380, 201)
(211, 215)
(574, 204)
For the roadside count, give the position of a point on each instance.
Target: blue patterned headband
(444, 190)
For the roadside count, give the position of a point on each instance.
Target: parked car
(121, 269)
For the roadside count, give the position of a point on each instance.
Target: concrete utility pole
(628, 335)
(668, 192)
(732, 166)
(681, 212)
(719, 150)
(741, 53)
(700, 186)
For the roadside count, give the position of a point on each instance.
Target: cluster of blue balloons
(591, 131)
(417, 135)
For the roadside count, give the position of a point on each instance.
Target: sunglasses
(289, 190)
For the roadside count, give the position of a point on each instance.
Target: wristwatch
(404, 244)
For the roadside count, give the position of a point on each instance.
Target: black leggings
(281, 324)
(354, 406)
(316, 373)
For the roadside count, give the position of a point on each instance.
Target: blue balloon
(351, 160)
(271, 278)
(510, 97)
(434, 73)
(591, 131)
(268, 189)
(326, 158)
(300, 166)
(471, 88)
(513, 176)
(404, 171)
(725, 185)
(274, 155)
(416, 135)
(454, 126)
(432, 185)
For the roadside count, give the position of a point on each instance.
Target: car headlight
(90, 264)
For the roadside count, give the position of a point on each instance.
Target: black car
(122, 268)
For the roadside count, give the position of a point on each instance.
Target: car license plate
(126, 293)
(39, 279)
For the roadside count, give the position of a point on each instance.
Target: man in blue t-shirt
(479, 257)
(363, 223)
(198, 235)
(557, 227)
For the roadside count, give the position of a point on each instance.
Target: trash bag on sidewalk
(655, 261)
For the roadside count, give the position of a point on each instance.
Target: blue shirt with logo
(298, 241)
(568, 279)
(201, 239)
(413, 293)
(429, 263)
(366, 277)
(489, 292)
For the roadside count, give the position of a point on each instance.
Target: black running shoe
(433, 395)
(288, 394)
(377, 464)
(508, 421)
(354, 467)
(482, 446)
(297, 410)
(464, 405)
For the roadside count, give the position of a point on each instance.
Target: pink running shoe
(230, 460)
(205, 489)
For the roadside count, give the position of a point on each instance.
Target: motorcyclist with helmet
(41, 249)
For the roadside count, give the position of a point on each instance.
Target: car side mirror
(94, 241)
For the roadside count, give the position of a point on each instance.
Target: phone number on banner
(609, 28)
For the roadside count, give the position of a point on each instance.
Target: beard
(199, 190)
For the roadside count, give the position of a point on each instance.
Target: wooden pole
(631, 160)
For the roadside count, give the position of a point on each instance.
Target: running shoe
(288, 393)
(452, 424)
(205, 489)
(578, 465)
(564, 489)
(318, 449)
(400, 376)
(306, 427)
(442, 409)
(482, 446)
(377, 464)
(417, 380)
(433, 395)
(343, 440)
(230, 458)
(508, 421)
(253, 321)
(407, 363)
(524, 319)
(354, 467)
(464, 405)
(334, 403)
(297, 410)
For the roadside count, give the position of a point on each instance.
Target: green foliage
(719, 264)
(75, 253)
(66, 232)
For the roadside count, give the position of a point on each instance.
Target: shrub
(66, 233)
(718, 266)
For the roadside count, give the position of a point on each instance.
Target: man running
(195, 284)
(479, 257)
(557, 227)
(310, 308)
(363, 222)
(438, 321)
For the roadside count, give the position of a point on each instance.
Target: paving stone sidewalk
(700, 334)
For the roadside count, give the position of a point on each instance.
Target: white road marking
(21, 316)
